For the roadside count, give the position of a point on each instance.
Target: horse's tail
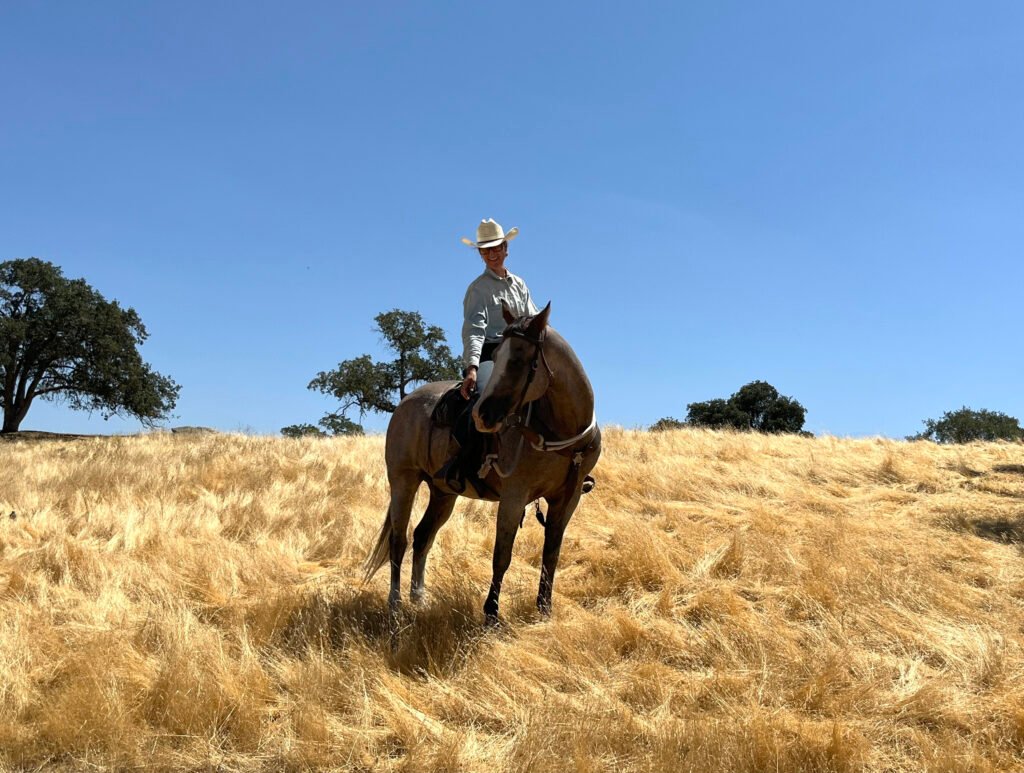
(381, 551)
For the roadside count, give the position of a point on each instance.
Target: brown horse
(541, 405)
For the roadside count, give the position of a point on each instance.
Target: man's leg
(458, 469)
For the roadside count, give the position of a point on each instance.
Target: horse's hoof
(394, 621)
(544, 608)
(492, 621)
(417, 597)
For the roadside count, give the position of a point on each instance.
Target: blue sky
(828, 197)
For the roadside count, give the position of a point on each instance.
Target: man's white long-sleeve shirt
(483, 320)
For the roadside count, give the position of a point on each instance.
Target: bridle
(575, 448)
(538, 358)
(515, 418)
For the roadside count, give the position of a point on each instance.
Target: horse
(540, 404)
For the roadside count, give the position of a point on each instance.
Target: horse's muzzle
(488, 414)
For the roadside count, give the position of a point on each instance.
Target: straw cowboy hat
(490, 233)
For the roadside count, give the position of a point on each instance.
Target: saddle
(453, 412)
(449, 408)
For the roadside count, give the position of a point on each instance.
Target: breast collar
(537, 441)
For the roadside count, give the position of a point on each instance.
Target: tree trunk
(11, 420)
(8, 400)
(14, 413)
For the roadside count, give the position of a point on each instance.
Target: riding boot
(451, 474)
(462, 467)
(470, 459)
(460, 472)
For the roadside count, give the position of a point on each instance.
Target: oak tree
(756, 406)
(966, 425)
(420, 355)
(61, 340)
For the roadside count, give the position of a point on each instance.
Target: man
(481, 333)
(483, 323)
(482, 317)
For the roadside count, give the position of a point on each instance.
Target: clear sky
(825, 196)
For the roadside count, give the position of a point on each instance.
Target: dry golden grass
(725, 603)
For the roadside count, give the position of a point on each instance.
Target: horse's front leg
(510, 513)
(559, 513)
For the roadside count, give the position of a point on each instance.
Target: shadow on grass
(1008, 530)
(967, 472)
(1014, 469)
(438, 638)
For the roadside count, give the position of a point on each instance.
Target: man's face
(495, 256)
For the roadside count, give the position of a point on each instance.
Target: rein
(538, 357)
(537, 441)
(576, 447)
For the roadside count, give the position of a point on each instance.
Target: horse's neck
(568, 404)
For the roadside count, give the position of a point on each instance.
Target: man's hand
(469, 381)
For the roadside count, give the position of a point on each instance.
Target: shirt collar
(493, 274)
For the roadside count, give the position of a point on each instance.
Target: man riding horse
(483, 323)
(481, 334)
(537, 405)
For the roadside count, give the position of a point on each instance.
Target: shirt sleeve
(531, 307)
(474, 327)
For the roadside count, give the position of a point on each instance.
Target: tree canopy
(667, 423)
(765, 410)
(966, 425)
(717, 414)
(302, 430)
(368, 386)
(61, 340)
(757, 406)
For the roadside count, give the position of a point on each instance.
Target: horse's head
(520, 375)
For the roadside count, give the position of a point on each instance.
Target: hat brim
(512, 234)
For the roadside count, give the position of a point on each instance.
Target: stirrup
(452, 475)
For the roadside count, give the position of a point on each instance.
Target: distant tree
(767, 410)
(61, 340)
(667, 423)
(966, 425)
(756, 406)
(331, 424)
(716, 414)
(335, 424)
(302, 430)
(421, 355)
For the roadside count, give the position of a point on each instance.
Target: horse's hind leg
(403, 494)
(439, 510)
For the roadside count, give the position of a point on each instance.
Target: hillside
(725, 603)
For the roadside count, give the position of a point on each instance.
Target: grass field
(725, 602)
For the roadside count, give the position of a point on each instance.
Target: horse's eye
(514, 364)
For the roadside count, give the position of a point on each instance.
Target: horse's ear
(539, 322)
(506, 312)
